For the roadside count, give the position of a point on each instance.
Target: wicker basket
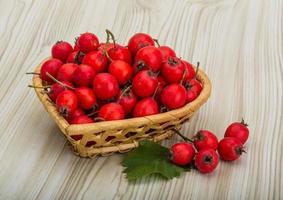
(105, 138)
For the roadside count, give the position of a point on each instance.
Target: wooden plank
(239, 45)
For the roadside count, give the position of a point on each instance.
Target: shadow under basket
(105, 138)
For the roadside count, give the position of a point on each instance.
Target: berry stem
(197, 69)
(183, 77)
(93, 113)
(182, 136)
(155, 91)
(99, 119)
(243, 122)
(112, 36)
(59, 82)
(106, 45)
(156, 41)
(34, 73)
(125, 91)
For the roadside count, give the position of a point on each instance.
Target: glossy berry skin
(128, 101)
(61, 50)
(194, 85)
(230, 148)
(83, 75)
(97, 60)
(78, 112)
(145, 107)
(102, 46)
(191, 96)
(206, 160)
(166, 52)
(144, 83)
(173, 70)
(118, 52)
(111, 111)
(86, 98)
(148, 57)
(138, 41)
(66, 71)
(66, 102)
(50, 66)
(87, 42)
(190, 71)
(75, 57)
(83, 119)
(161, 85)
(238, 130)
(121, 70)
(182, 153)
(56, 89)
(173, 96)
(76, 48)
(105, 86)
(205, 139)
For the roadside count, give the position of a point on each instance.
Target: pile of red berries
(95, 81)
(201, 149)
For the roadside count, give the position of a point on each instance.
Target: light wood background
(239, 44)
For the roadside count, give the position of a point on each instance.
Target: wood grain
(239, 44)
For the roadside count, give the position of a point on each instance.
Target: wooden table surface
(239, 45)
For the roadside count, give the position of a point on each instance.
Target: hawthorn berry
(182, 153)
(206, 160)
(238, 130)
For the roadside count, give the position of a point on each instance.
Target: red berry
(50, 66)
(191, 95)
(173, 96)
(75, 57)
(66, 71)
(145, 107)
(206, 160)
(97, 60)
(121, 70)
(205, 139)
(144, 83)
(82, 119)
(118, 52)
(138, 41)
(76, 48)
(66, 102)
(102, 46)
(173, 70)
(128, 101)
(78, 112)
(161, 85)
(87, 42)
(182, 153)
(148, 58)
(83, 75)
(238, 130)
(230, 148)
(194, 85)
(61, 50)
(166, 52)
(111, 111)
(190, 71)
(105, 86)
(56, 89)
(86, 98)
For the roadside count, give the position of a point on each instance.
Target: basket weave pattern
(105, 138)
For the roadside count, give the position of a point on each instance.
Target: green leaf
(150, 158)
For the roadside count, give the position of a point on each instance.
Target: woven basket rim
(135, 122)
